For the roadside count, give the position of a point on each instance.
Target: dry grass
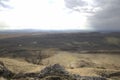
(108, 61)
(63, 58)
(18, 66)
(113, 40)
(1, 78)
(92, 71)
(3, 36)
(104, 63)
(67, 59)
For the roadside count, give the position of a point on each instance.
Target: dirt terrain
(85, 54)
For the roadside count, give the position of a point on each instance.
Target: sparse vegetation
(80, 53)
(113, 40)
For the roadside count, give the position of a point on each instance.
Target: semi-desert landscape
(96, 55)
(59, 39)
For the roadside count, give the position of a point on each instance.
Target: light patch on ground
(20, 66)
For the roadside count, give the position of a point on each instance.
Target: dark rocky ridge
(57, 72)
(53, 72)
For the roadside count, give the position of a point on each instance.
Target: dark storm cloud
(107, 18)
(80, 6)
(76, 5)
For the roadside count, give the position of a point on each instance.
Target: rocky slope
(53, 72)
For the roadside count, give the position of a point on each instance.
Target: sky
(61, 14)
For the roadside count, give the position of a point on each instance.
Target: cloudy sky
(60, 14)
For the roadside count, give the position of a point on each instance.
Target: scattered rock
(116, 74)
(55, 69)
(52, 72)
(92, 78)
(57, 72)
(4, 72)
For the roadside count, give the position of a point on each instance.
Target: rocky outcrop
(57, 72)
(52, 72)
(4, 72)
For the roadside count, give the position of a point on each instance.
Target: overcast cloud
(107, 16)
(3, 3)
(62, 14)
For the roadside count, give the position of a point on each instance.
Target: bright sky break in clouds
(42, 14)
